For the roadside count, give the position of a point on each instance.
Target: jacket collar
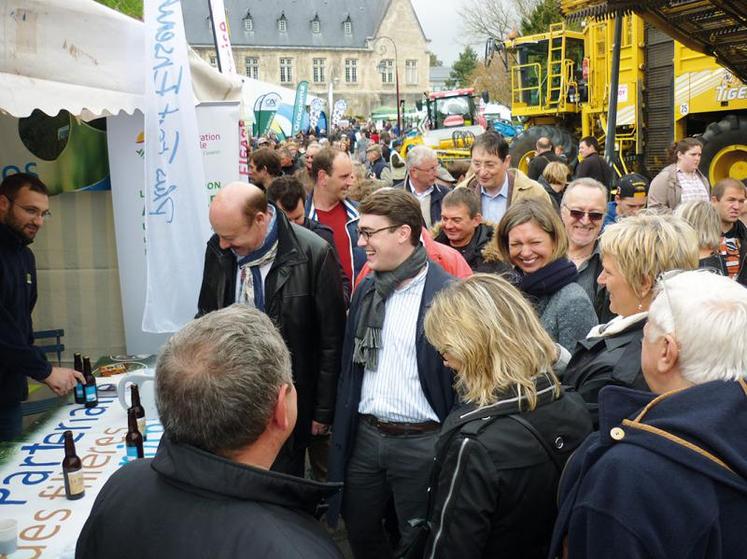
(208, 472)
(11, 238)
(684, 426)
(508, 403)
(351, 209)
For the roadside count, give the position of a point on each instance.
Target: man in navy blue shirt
(24, 207)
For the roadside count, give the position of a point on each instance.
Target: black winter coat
(496, 488)
(304, 298)
(18, 356)
(188, 503)
(473, 251)
(599, 361)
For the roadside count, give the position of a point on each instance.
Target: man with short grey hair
(422, 171)
(226, 399)
(666, 475)
(582, 211)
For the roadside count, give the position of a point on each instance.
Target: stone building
(353, 46)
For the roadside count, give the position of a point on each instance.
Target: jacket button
(559, 443)
(617, 433)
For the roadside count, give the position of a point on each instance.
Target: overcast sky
(443, 26)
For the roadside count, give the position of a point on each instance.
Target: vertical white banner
(222, 37)
(175, 216)
(126, 143)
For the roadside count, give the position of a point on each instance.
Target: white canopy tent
(83, 57)
(87, 59)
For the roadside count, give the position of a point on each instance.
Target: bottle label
(79, 392)
(132, 453)
(141, 426)
(91, 394)
(75, 482)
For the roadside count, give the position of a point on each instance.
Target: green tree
(463, 68)
(539, 19)
(132, 8)
(434, 59)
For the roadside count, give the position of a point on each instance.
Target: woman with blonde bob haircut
(635, 252)
(703, 217)
(533, 239)
(500, 451)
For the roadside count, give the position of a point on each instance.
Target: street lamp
(382, 69)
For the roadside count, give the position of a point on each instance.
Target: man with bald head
(258, 258)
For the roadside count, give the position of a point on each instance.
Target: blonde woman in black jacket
(500, 452)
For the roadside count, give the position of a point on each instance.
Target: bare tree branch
(494, 18)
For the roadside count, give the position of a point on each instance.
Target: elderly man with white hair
(666, 475)
(422, 171)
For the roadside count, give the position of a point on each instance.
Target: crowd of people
(494, 365)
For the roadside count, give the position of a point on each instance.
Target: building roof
(440, 73)
(365, 16)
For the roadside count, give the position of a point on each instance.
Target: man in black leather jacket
(259, 258)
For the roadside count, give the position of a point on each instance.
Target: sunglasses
(579, 215)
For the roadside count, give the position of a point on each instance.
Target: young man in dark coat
(258, 258)
(394, 389)
(24, 207)
(666, 476)
(592, 165)
(227, 403)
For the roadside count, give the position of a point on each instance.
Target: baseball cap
(632, 185)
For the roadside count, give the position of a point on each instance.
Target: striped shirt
(693, 188)
(393, 391)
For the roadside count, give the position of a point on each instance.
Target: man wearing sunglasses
(24, 207)
(582, 210)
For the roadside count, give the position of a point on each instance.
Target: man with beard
(24, 207)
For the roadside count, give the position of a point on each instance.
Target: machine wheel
(523, 146)
(725, 149)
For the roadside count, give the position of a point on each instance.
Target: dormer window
(316, 24)
(347, 26)
(248, 22)
(283, 23)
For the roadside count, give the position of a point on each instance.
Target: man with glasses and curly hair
(24, 208)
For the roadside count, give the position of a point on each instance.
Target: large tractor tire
(523, 147)
(725, 149)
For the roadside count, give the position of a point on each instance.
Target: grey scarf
(373, 308)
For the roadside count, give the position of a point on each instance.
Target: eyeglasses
(366, 234)
(31, 211)
(579, 214)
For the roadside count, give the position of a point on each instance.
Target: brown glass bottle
(72, 470)
(80, 388)
(139, 410)
(133, 439)
(92, 394)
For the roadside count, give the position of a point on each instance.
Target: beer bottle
(72, 470)
(92, 394)
(133, 439)
(139, 410)
(80, 390)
